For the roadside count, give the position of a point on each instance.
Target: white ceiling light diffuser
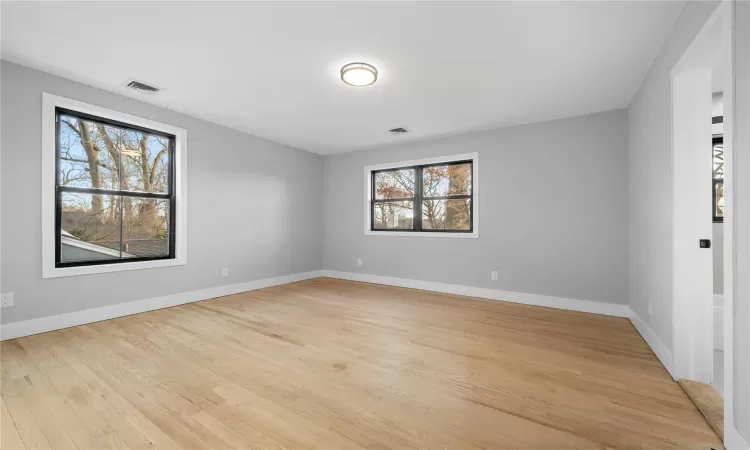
(359, 74)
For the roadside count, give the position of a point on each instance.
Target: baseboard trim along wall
(608, 309)
(51, 323)
(652, 339)
(60, 321)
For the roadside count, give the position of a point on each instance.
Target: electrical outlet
(493, 275)
(225, 272)
(8, 299)
(359, 262)
(650, 307)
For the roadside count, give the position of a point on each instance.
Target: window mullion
(122, 199)
(417, 219)
(98, 191)
(122, 213)
(372, 200)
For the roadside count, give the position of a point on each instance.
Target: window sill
(53, 272)
(473, 235)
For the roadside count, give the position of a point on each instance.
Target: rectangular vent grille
(398, 130)
(142, 87)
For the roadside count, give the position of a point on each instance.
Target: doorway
(695, 192)
(703, 277)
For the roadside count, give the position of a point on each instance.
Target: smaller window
(717, 193)
(431, 197)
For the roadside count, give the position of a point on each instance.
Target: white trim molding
(49, 103)
(473, 157)
(657, 345)
(607, 309)
(72, 319)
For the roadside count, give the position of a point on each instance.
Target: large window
(718, 179)
(115, 194)
(112, 187)
(427, 197)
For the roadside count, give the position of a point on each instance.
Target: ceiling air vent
(398, 131)
(142, 87)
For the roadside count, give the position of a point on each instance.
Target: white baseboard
(608, 309)
(51, 323)
(657, 345)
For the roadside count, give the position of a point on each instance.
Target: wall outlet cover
(359, 262)
(493, 275)
(224, 272)
(7, 299)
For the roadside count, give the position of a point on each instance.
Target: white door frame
(737, 234)
(691, 358)
(692, 266)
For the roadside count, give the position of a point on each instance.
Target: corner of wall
(654, 342)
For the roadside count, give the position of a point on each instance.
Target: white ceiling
(272, 69)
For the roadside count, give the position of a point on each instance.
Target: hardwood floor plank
(336, 364)
(9, 436)
(19, 410)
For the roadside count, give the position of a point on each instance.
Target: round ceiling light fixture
(359, 74)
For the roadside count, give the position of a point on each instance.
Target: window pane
(394, 216)
(90, 227)
(95, 155)
(442, 181)
(446, 214)
(85, 158)
(145, 232)
(718, 160)
(719, 195)
(145, 163)
(394, 184)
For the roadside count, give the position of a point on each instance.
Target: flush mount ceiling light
(359, 74)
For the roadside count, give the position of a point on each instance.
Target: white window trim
(49, 103)
(474, 157)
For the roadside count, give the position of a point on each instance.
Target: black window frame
(716, 181)
(419, 198)
(60, 189)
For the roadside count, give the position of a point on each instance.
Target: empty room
(375, 225)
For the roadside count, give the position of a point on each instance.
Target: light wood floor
(334, 364)
(708, 402)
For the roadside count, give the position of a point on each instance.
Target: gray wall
(650, 187)
(553, 212)
(253, 206)
(718, 249)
